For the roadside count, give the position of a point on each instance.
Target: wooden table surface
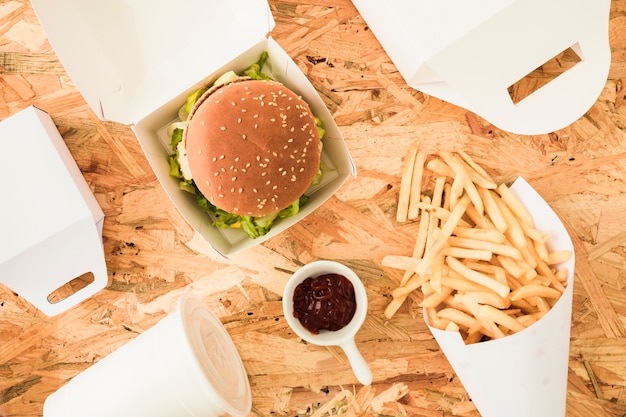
(153, 255)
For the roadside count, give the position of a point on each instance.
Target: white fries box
(524, 374)
(50, 222)
(469, 52)
(136, 63)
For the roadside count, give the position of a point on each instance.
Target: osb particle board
(153, 255)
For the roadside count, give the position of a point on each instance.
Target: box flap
(129, 57)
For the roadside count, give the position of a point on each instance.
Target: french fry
(492, 209)
(514, 231)
(498, 272)
(436, 298)
(557, 257)
(491, 247)
(420, 242)
(436, 321)
(483, 268)
(499, 288)
(439, 167)
(490, 298)
(405, 184)
(457, 165)
(416, 185)
(486, 235)
(515, 205)
(482, 178)
(500, 317)
(466, 253)
(457, 316)
(533, 290)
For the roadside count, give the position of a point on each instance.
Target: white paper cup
(186, 365)
(524, 374)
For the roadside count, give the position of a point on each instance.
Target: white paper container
(136, 63)
(184, 366)
(468, 52)
(524, 374)
(50, 222)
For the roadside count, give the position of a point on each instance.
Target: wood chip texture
(153, 256)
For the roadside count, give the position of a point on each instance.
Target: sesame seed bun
(253, 146)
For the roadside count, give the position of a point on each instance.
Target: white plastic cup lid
(217, 357)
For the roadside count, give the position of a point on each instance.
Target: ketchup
(326, 302)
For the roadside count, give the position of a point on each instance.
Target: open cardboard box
(51, 223)
(136, 63)
(469, 52)
(524, 374)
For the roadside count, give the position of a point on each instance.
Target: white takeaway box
(50, 222)
(136, 62)
(469, 52)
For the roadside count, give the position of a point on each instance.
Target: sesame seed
(244, 136)
(293, 178)
(220, 195)
(268, 182)
(223, 128)
(233, 179)
(222, 156)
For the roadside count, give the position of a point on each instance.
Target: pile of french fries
(483, 268)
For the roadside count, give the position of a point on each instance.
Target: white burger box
(50, 222)
(524, 374)
(135, 63)
(469, 52)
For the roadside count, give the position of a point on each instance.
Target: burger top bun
(253, 147)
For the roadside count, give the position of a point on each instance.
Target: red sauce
(326, 302)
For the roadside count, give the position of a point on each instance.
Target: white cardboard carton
(468, 52)
(50, 222)
(524, 374)
(186, 365)
(135, 63)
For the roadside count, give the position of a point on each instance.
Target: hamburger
(248, 148)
